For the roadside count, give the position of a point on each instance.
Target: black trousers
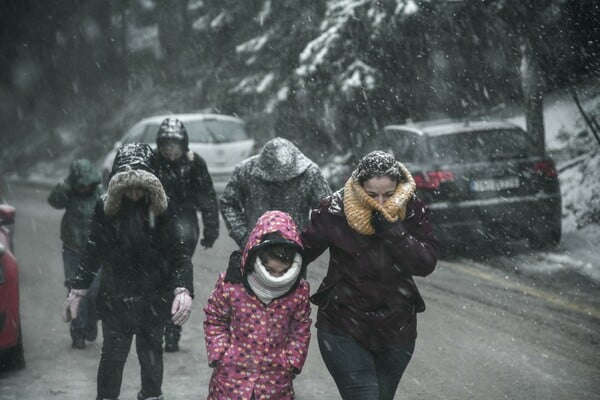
(115, 349)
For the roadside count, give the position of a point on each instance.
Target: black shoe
(142, 396)
(92, 333)
(171, 347)
(78, 343)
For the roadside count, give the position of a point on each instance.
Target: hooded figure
(188, 184)
(185, 178)
(281, 178)
(77, 195)
(257, 326)
(146, 271)
(379, 235)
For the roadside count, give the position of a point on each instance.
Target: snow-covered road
(494, 332)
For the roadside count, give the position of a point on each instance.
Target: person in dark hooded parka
(77, 195)
(185, 178)
(280, 178)
(146, 272)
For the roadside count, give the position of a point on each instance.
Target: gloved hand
(380, 224)
(182, 306)
(71, 304)
(208, 241)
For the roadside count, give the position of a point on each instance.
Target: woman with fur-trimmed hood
(379, 236)
(146, 272)
(257, 326)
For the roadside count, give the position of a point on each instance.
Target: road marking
(526, 289)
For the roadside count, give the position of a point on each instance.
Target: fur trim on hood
(132, 178)
(131, 168)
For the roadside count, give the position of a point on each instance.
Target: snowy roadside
(575, 263)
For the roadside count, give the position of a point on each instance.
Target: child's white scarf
(268, 287)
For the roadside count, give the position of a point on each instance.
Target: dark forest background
(75, 74)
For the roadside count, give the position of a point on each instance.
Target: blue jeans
(85, 325)
(361, 374)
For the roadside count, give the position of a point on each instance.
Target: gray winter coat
(280, 178)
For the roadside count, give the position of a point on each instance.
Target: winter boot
(78, 343)
(171, 346)
(142, 396)
(92, 332)
(172, 335)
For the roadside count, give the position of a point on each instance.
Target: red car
(11, 343)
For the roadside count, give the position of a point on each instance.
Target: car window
(215, 131)
(404, 146)
(481, 146)
(149, 135)
(134, 134)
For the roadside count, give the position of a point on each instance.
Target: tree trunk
(171, 20)
(533, 95)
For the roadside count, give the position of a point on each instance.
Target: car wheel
(546, 237)
(14, 357)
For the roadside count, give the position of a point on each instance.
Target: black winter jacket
(189, 185)
(138, 245)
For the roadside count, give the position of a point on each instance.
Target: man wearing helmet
(186, 180)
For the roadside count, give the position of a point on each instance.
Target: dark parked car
(480, 178)
(11, 343)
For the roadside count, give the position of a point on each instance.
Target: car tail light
(545, 168)
(433, 179)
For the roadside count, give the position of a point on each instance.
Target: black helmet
(172, 129)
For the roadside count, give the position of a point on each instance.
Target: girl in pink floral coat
(257, 325)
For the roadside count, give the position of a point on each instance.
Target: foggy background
(74, 75)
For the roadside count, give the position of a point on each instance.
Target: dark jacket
(280, 178)
(369, 292)
(75, 223)
(189, 185)
(138, 245)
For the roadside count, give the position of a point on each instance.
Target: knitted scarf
(268, 287)
(359, 206)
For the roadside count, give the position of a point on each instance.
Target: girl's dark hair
(279, 252)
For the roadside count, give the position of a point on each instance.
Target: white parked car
(221, 140)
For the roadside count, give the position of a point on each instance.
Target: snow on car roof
(193, 117)
(446, 127)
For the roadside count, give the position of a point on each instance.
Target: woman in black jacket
(188, 184)
(146, 272)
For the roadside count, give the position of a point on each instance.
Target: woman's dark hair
(279, 252)
(377, 163)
